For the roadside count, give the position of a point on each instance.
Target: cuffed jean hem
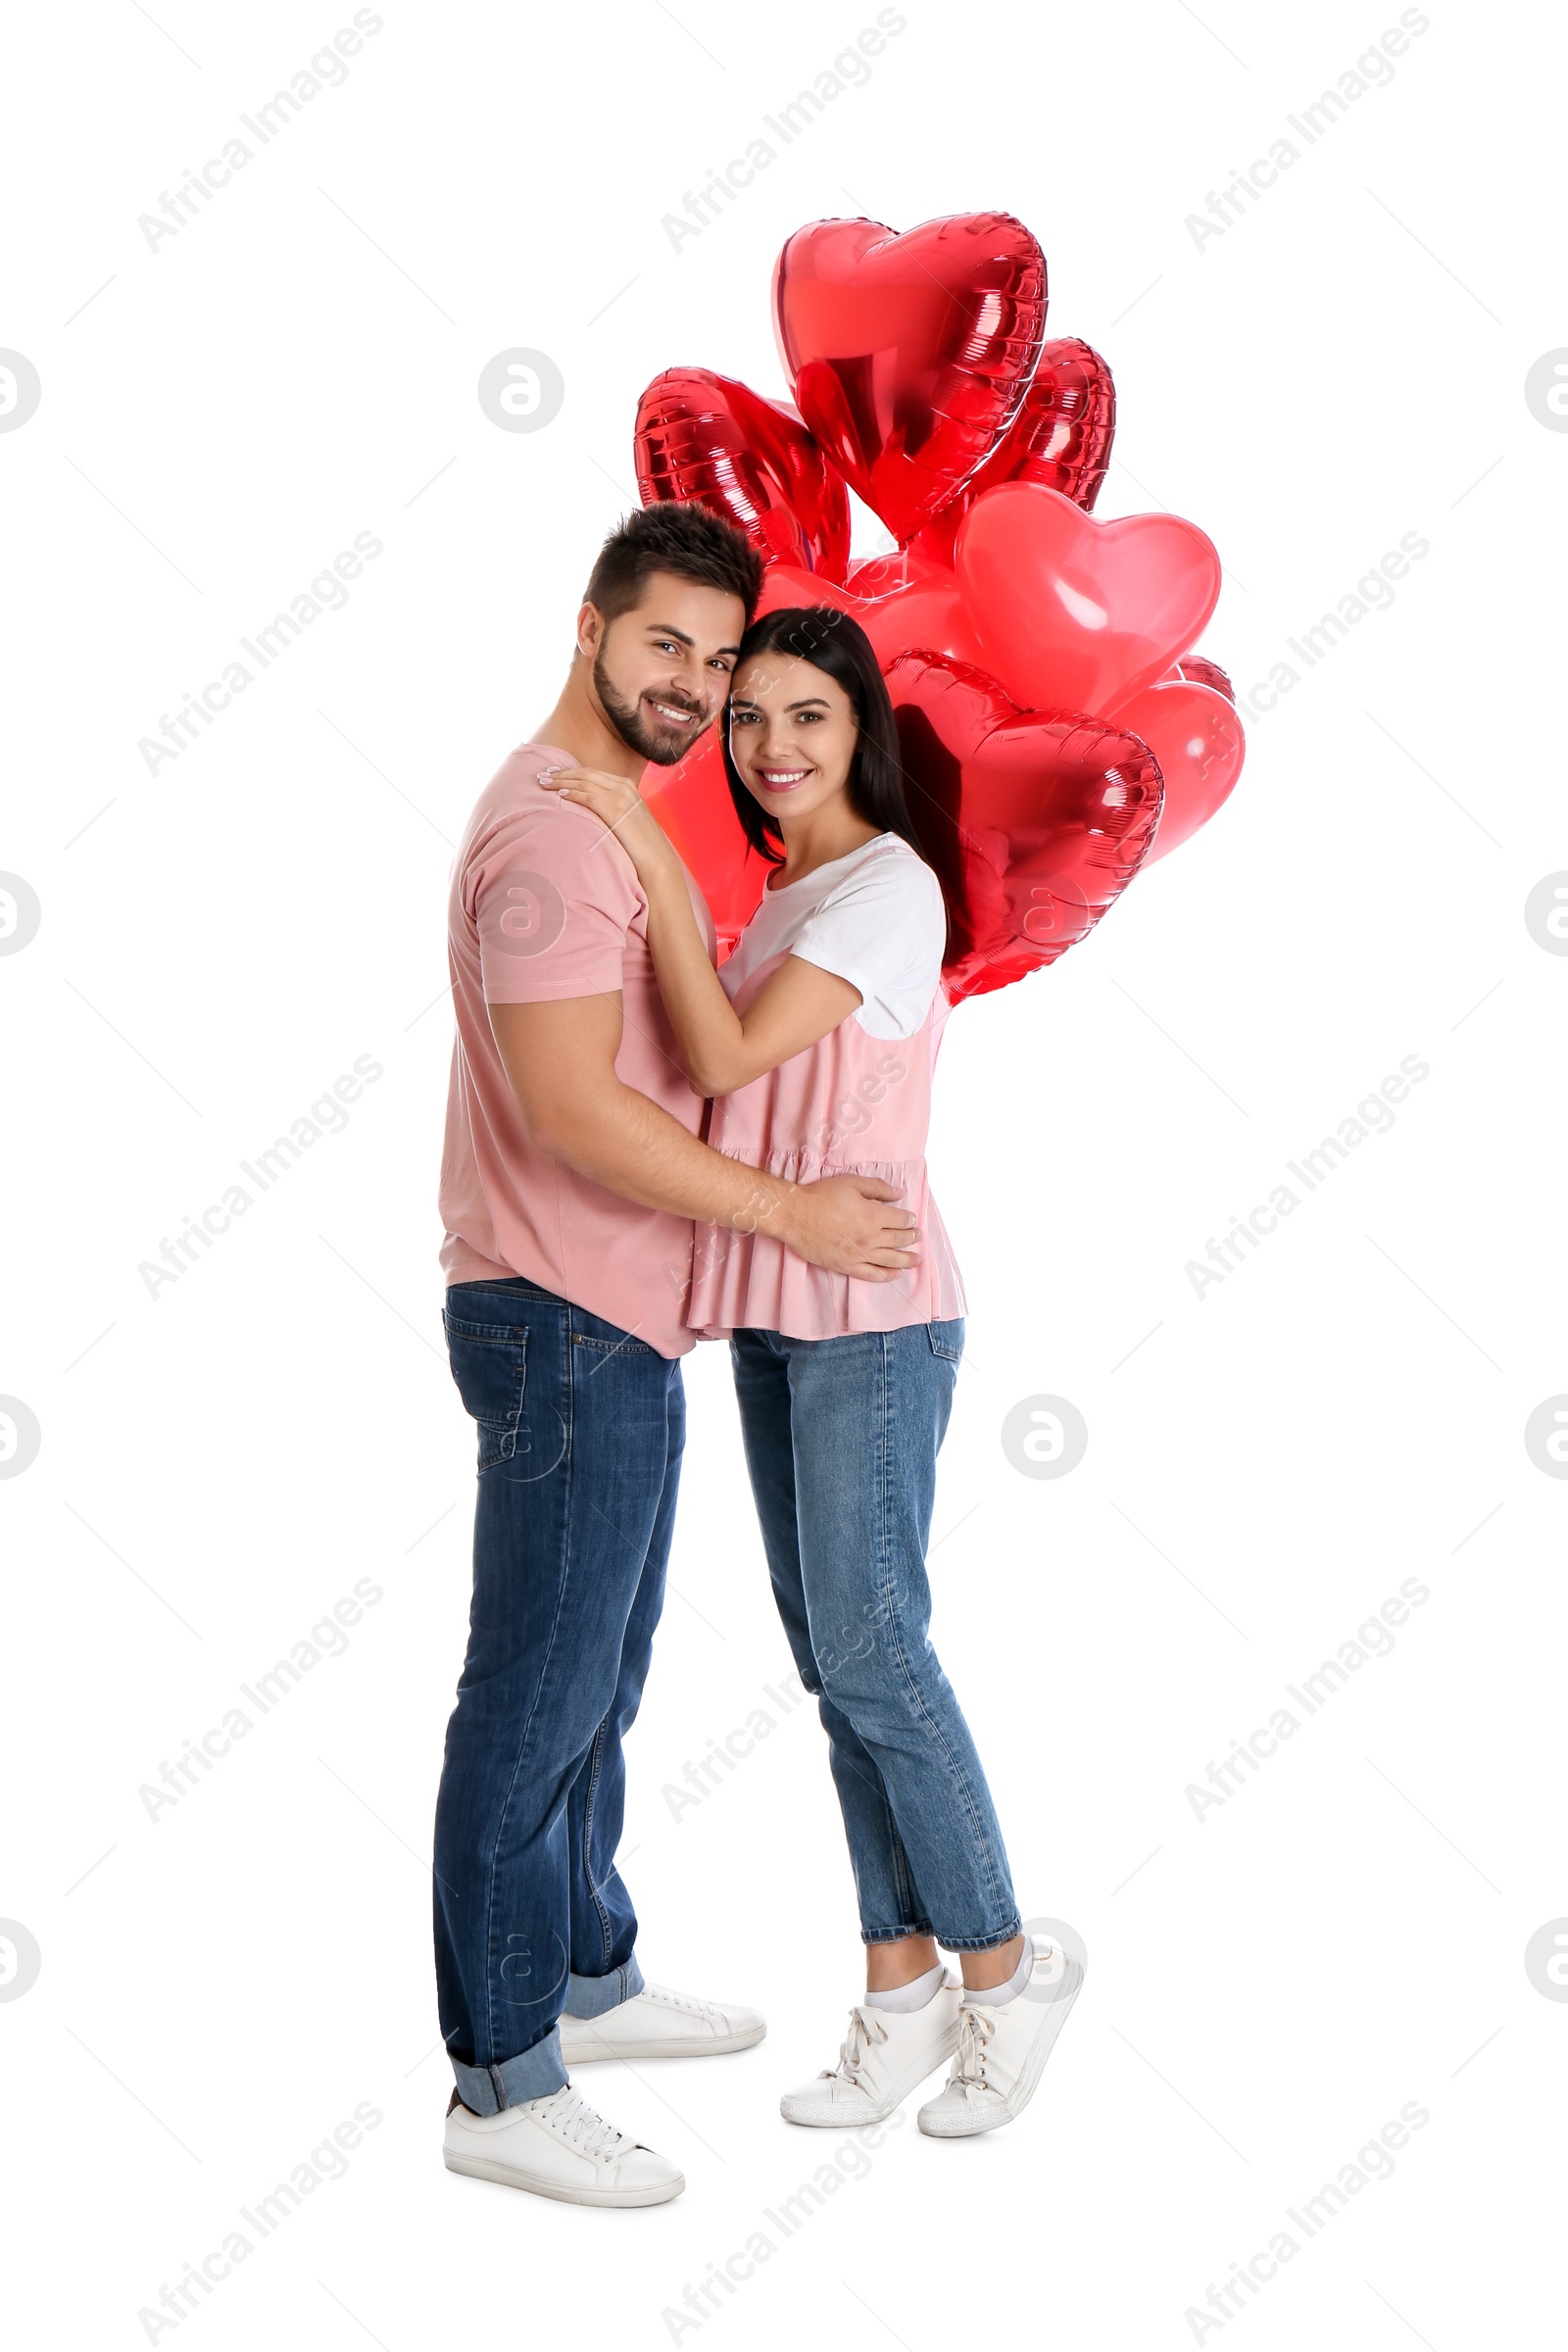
(980, 1943)
(532, 2075)
(592, 1997)
(949, 1943)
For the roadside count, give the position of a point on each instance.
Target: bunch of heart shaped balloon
(1057, 730)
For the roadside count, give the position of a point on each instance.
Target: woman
(815, 1041)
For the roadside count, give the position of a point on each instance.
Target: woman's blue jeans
(841, 1442)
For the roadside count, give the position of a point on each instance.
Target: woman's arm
(721, 1048)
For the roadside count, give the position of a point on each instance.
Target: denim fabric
(841, 1442)
(580, 1430)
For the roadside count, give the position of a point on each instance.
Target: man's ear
(590, 630)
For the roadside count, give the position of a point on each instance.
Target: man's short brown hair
(688, 541)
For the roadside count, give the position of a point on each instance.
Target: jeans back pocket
(947, 1339)
(489, 1364)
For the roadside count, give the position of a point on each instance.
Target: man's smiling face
(661, 669)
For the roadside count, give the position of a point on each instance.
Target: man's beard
(663, 746)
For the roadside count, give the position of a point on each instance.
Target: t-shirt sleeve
(552, 893)
(884, 930)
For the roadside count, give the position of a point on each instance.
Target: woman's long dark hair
(835, 643)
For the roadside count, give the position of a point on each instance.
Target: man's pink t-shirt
(545, 905)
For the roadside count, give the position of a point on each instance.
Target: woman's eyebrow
(806, 702)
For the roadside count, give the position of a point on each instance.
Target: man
(570, 1179)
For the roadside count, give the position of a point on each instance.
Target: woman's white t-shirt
(875, 917)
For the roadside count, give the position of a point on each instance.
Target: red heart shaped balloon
(1034, 821)
(1061, 436)
(1199, 671)
(909, 355)
(1197, 737)
(710, 440)
(1075, 614)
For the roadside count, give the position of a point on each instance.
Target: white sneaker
(1001, 2052)
(657, 2023)
(882, 2057)
(558, 2147)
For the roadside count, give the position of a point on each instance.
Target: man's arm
(559, 1059)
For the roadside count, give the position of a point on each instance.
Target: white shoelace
(678, 2000)
(975, 2029)
(583, 2128)
(866, 2029)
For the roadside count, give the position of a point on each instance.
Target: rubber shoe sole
(508, 2175)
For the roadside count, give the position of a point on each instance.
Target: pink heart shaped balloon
(1075, 614)
(1195, 735)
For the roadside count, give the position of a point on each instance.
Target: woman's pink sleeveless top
(850, 1104)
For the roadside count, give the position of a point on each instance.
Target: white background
(1267, 1985)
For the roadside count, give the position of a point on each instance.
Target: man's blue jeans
(580, 1429)
(841, 1442)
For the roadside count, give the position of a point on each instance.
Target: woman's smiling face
(791, 734)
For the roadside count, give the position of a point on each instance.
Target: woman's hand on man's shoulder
(618, 804)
